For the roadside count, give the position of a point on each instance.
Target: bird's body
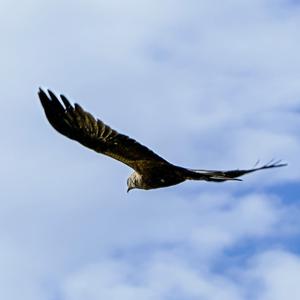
(157, 177)
(151, 170)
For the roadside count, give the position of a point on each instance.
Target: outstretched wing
(81, 126)
(219, 176)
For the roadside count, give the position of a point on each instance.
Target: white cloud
(270, 275)
(209, 84)
(275, 274)
(155, 280)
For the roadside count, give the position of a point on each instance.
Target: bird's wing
(81, 126)
(215, 175)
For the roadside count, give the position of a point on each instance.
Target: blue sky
(206, 84)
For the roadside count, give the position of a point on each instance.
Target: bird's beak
(128, 189)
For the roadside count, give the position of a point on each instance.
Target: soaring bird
(150, 170)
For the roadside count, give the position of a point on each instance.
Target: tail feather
(219, 176)
(207, 175)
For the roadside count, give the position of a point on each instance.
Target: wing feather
(77, 124)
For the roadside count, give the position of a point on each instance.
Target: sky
(206, 84)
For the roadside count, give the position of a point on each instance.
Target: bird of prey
(150, 170)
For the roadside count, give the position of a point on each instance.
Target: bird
(151, 171)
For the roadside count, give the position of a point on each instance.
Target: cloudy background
(207, 84)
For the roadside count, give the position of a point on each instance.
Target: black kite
(151, 170)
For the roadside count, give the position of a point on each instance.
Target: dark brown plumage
(151, 170)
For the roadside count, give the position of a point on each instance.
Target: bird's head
(133, 181)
